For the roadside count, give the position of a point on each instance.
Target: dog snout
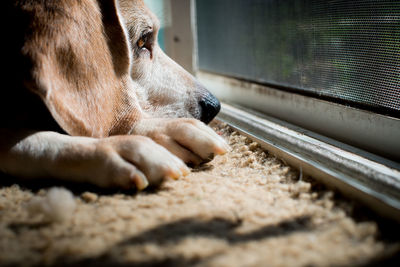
(210, 107)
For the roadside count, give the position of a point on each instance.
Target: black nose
(210, 107)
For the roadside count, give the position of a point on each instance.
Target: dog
(91, 97)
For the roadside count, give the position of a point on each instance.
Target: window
(344, 53)
(317, 83)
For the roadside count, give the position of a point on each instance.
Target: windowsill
(371, 179)
(374, 184)
(366, 130)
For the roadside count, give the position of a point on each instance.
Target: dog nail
(174, 174)
(143, 185)
(220, 150)
(140, 181)
(173, 177)
(185, 170)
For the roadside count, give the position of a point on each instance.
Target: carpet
(244, 208)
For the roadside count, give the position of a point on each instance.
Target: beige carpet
(245, 208)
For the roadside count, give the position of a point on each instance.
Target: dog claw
(185, 170)
(140, 181)
(177, 173)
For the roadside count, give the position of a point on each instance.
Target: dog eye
(144, 41)
(141, 42)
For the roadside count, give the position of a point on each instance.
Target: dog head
(167, 90)
(98, 68)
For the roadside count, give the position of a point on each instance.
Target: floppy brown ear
(115, 30)
(81, 67)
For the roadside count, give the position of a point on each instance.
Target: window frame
(369, 172)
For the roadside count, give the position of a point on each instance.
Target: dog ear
(81, 67)
(115, 29)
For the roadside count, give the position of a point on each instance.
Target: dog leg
(189, 139)
(117, 161)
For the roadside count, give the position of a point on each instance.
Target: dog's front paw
(126, 160)
(189, 139)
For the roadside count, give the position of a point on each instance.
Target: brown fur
(76, 67)
(76, 71)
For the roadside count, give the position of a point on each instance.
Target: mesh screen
(343, 50)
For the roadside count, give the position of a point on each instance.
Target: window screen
(341, 50)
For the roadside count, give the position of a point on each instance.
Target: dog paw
(189, 139)
(124, 161)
